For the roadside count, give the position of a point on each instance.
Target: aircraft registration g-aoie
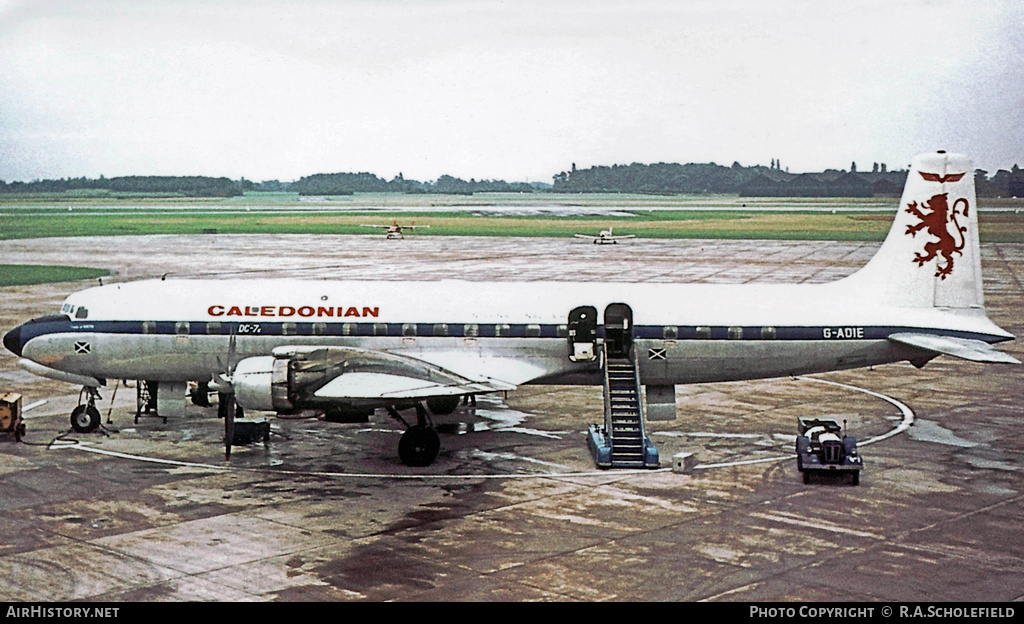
(352, 346)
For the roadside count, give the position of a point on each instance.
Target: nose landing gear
(86, 418)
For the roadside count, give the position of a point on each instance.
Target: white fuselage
(180, 330)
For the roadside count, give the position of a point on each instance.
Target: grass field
(532, 214)
(24, 274)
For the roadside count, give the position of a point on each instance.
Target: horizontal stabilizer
(974, 350)
(364, 385)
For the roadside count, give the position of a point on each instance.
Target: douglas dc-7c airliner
(345, 348)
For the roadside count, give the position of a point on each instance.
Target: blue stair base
(601, 450)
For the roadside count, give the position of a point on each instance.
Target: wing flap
(366, 385)
(355, 373)
(965, 348)
(491, 369)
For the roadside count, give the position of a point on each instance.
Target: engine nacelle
(288, 380)
(261, 383)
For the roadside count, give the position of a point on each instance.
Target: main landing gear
(86, 418)
(420, 443)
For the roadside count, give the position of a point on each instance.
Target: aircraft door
(618, 330)
(582, 333)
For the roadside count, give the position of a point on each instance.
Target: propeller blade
(228, 407)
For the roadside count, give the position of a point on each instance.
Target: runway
(514, 508)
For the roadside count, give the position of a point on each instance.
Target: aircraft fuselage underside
(661, 362)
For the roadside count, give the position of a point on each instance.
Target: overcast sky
(276, 89)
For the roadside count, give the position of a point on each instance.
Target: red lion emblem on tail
(935, 221)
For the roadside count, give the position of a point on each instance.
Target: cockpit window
(81, 313)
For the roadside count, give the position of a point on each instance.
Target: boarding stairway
(622, 441)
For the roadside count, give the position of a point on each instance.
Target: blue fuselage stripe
(471, 330)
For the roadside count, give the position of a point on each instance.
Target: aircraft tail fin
(931, 256)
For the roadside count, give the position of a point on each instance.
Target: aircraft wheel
(855, 478)
(442, 406)
(807, 477)
(85, 419)
(419, 446)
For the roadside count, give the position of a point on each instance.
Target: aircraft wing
(491, 369)
(375, 385)
(452, 373)
(350, 373)
(585, 236)
(973, 350)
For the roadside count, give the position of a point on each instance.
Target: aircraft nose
(12, 340)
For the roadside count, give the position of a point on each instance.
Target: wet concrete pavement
(514, 508)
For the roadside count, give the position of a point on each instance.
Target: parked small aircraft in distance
(345, 348)
(395, 231)
(605, 237)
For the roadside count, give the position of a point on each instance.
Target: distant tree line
(660, 178)
(1003, 184)
(349, 183)
(319, 184)
(761, 181)
(190, 186)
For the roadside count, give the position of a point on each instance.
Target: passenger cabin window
(502, 330)
(380, 329)
(213, 327)
(409, 329)
(149, 327)
(533, 331)
(563, 331)
(181, 328)
(440, 329)
(768, 333)
(735, 333)
(319, 329)
(348, 329)
(289, 329)
(703, 333)
(670, 333)
(471, 330)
